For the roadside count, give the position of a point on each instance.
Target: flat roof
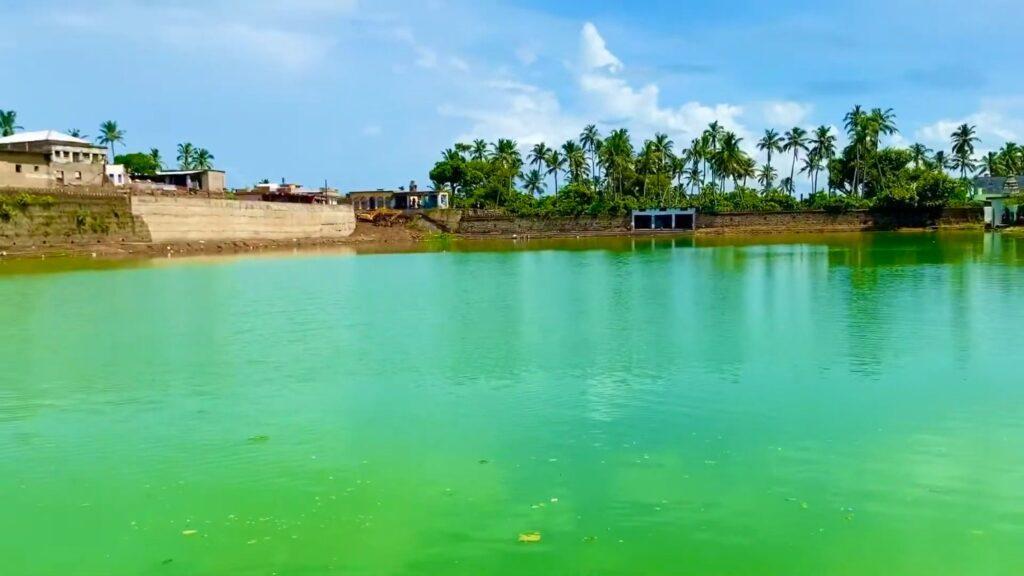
(185, 172)
(44, 136)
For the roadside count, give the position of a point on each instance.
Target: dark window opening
(663, 222)
(641, 222)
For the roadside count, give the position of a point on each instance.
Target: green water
(811, 405)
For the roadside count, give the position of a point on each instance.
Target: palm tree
(76, 133)
(730, 159)
(576, 159)
(533, 182)
(769, 143)
(479, 151)
(506, 154)
(991, 165)
(8, 122)
(204, 160)
(812, 165)
(616, 156)
(555, 163)
(155, 155)
(795, 141)
(823, 146)
(538, 156)
(110, 135)
(964, 139)
(590, 139)
(919, 154)
(940, 161)
(854, 124)
(766, 176)
(186, 156)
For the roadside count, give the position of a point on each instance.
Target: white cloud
(786, 114)
(594, 53)
(993, 127)
(522, 112)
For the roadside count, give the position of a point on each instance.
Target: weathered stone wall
(40, 218)
(497, 224)
(826, 222)
(179, 219)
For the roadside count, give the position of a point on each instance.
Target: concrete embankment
(177, 219)
(33, 221)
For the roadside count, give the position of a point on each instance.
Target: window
(17, 168)
(60, 175)
(78, 175)
(35, 168)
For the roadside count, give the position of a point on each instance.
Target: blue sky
(366, 94)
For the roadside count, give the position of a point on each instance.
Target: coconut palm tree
(919, 154)
(533, 182)
(590, 139)
(479, 151)
(110, 135)
(616, 156)
(854, 124)
(991, 165)
(155, 155)
(8, 122)
(766, 176)
(964, 138)
(770, 143)
(576, 160)
(507, 156)
(940, 161)
(823, 146)
(187, 156)
(204, 160)
(556, 163)
(76, 133)
(538, 156)
(795, 141)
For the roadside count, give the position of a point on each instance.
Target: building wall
(181, 219)
(213, 181)
(38, 172)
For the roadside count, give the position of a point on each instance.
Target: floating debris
(189, 532)
(530, 537)
(167, 561)
(483, 462)
(259, 439)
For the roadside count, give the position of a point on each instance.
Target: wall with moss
(39, 218)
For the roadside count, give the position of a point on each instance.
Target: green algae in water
(139, 401)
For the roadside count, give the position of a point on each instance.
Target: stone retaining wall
(178, 219)
(38, 218)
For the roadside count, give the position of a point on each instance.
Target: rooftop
(184, 172)
(43, 136)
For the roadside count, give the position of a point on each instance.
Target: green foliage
(138, 163)
(595, 175)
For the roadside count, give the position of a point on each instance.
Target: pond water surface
(848, 404)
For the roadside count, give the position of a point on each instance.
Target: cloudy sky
(366, 93)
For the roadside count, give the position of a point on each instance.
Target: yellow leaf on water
(529, 537)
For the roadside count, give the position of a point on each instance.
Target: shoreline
(373, 239)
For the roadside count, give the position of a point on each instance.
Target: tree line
(608, 174)
(111, 135)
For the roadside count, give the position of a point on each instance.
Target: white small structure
(117, 175)
(997, 193)
(666, 219)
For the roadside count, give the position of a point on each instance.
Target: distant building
(666, 219)
(996, 193)
(194, 180)
(292, 193)
(47, 159)
(117, 175)
(401, 199)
